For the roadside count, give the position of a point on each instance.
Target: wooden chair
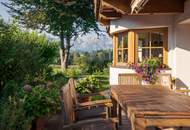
(165, 80)
(183, 91)
(98, 108)
(129, 79)
(70, 116)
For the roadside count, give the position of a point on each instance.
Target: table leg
(120, 114)
(114, 108)
(136, 123)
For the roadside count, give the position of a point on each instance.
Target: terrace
(141, 30)
(149, 85)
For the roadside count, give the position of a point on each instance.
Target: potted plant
(40, 104)
(148, 70)
(87, 85)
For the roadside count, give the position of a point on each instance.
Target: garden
(31, 76)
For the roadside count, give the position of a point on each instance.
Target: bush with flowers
(148, 69)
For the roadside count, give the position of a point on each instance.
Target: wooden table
(152, 106)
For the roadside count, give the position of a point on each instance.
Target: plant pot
(38, 124)
(145, 82)
(84, 99)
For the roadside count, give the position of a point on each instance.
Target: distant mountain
(92, 42)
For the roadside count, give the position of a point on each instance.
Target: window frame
(122, 49)
(132, 45)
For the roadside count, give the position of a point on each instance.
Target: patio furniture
(88, 124)
(165, 80)
(183, 91)
(152, 105)
(98, 108)
(129, 79)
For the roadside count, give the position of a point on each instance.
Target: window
(149, 45)
(136, 45)
(122, 48)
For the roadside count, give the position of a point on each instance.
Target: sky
(88, 42)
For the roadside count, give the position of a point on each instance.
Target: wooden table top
(151, 100)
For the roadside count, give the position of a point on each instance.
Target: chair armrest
(88, 122)
(183, 90)
(105, 102)
(101, 93)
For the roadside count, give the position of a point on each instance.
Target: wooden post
(131, 47)
(114, 50)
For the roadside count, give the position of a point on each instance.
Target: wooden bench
(70, 115)
(129, 79)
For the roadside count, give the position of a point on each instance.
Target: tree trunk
(67, 52)
(62, 51)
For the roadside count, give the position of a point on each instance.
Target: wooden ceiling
(106, 10)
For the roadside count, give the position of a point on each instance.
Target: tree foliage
(63, 18)
(24, 55)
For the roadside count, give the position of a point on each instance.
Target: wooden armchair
(70, 115)
(165, 80)
(183, 91)
(99, 108)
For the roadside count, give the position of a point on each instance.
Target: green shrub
(41, 102)
(18, 112)
(89, 84)
(73, 71)
(24, 55)
(13, 116)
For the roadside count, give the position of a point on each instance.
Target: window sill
(127, 67)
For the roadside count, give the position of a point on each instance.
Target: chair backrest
(72, 85)
(129, 79)
(68, 104)
(165, 80)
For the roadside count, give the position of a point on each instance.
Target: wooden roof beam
(163, 6)
(122, 6)
(104, 22)
(110, 15)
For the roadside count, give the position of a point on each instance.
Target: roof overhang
(106, 10)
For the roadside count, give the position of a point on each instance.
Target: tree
(64, 18)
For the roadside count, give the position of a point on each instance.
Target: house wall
(178, 40)
(182, 47)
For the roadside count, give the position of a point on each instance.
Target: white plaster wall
(182, 47)
(114, 73)
(141, 22)
(183, 54)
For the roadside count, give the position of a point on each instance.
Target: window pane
(120, 40)
(143, 54)
(158, 53)
(125, 55)
(143, 39)
(119, 52)
(125, 44)
(157, 39)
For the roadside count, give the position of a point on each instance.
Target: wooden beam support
(163, 6)
(104, 22)
(110, 15)
(122, 6)
(131, 47)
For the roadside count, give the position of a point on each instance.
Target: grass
(103, 77)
